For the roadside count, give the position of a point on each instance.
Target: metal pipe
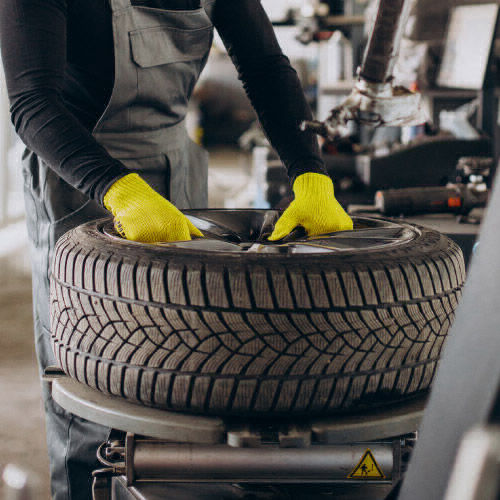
(385, 40)
(150, 460)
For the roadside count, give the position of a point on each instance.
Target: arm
(33, 47)
(270, 82)
(276, 94)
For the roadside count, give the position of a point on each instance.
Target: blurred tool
(470, 190)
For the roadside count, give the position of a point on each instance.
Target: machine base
(159, 454)
(159, 491)
(367, 425)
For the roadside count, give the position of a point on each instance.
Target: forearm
(277, 95)
(270, 82)
(45, 125)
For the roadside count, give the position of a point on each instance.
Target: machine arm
(375, 100)
(385, 39)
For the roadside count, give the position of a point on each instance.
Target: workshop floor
(22, 431)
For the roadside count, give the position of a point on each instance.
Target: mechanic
(98, 92)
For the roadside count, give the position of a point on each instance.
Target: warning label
(367, 468)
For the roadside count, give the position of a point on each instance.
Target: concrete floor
(22, 431)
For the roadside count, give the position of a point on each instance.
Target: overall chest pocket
(168, 61)
(167, 45)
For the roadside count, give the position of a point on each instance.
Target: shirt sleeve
(270, 82)
(33, 48)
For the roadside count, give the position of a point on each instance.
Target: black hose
(383, 45)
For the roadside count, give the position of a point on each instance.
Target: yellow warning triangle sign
(367, 468)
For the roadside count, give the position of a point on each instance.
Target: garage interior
(410, 137)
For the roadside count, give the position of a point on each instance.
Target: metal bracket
(373, 104)
(286, 436)
(375, 100)
(244, 437)
(295, 437)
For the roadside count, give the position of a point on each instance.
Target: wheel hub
(238, 231)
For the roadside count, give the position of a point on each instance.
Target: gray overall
(159, 55)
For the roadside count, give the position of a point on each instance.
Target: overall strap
(117, 5)
(208, 5)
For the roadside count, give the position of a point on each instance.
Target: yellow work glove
(141, 214)
(314, 208)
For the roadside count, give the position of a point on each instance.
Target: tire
(231, 334)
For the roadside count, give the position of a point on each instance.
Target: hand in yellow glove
(141, 214)
(314, 208)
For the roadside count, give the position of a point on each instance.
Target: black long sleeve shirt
(59, 66)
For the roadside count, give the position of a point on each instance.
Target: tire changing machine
(154, 454)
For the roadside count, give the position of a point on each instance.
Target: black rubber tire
(253, 334)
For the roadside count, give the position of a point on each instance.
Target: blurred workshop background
(448, 54)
